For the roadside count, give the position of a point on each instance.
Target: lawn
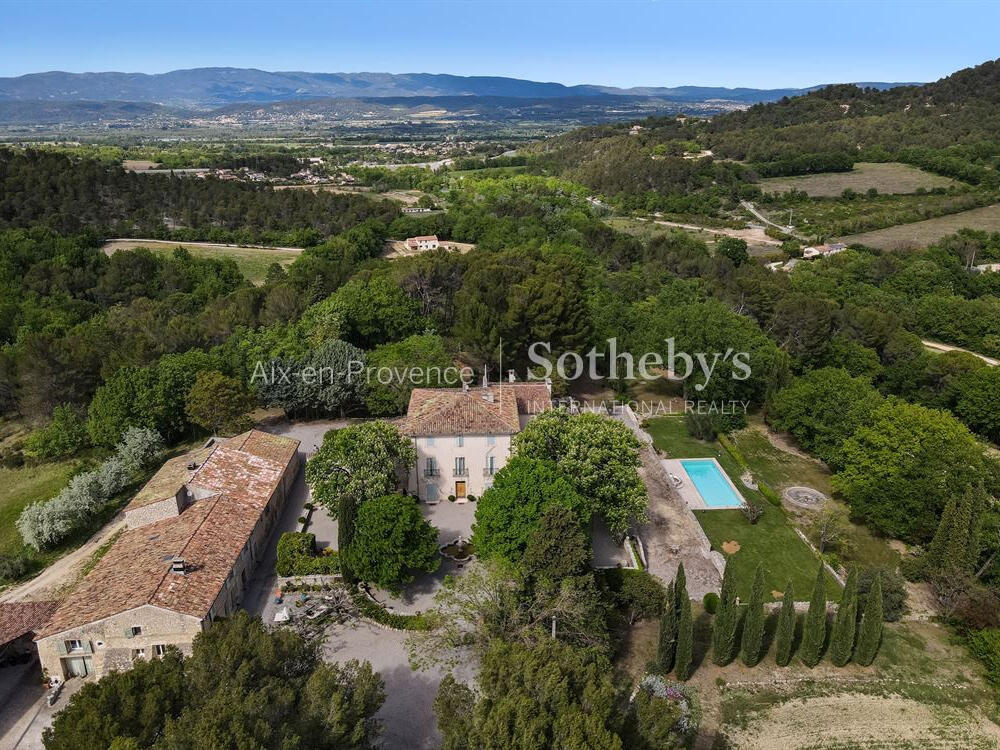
(891, 177)
(22, 487)
(771, 541)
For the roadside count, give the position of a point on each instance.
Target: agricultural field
(923, 233)
(253, 262)
(890, 177)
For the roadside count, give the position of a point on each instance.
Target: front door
(77, 666)
(460, 490)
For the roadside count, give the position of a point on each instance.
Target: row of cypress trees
(849, 638)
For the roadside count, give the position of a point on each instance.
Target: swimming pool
(713, 486)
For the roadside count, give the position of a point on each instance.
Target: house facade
(463, 435)
(426, 242)
(195, 532)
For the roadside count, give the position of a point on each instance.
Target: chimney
(511, 376)
(177, 565)
(488, 396)
(465, 387)
(486, 378)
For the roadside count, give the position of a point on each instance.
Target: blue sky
(645, 42)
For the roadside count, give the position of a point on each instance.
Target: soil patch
(730, 547)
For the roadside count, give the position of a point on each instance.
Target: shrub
(985, 646)
(451, 498)
(64, 436)
(711, 602)
(296, 556)
(378, 613)
(734, 452)
(770, 495)
(13, 567)
(472, 498)
(700, 426)
(893, 591)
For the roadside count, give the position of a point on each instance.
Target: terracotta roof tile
(21, 618)
(454, 411)
(209, 535)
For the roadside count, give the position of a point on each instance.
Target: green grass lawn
(779, 468)
(23, 486)
(771, 541)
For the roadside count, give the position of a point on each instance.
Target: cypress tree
(785, 636)
(814, 628)
(753, 623)
(685, 641)
(845, 622)
(667, 646)
(669, 621)
(725, 622)
(871, 626)
(345, 534)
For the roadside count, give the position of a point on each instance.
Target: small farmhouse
(426, 242)
(817, 251)
(194, 534)
(463, 435)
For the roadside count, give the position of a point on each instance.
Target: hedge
(770, 495)
(733, 451)
(297, 556)
(378, 613)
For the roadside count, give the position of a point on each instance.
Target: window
(460, 466)
(430, 468)
(159, 649)
(490, 465)
(430, 442)
(138, 653)
(136, 630)
(491, 439)
(74, 645)
(460, 441)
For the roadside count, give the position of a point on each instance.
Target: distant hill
(208, 88)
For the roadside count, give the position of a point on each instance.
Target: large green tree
(600, 458)
(814, 626)
(362, 461)
(396, 368)
(785, 634)
(216, 402)
(391, 540)
(726, 621)
(900, 467)
(845, 622)
(752, 643)
(870, 631)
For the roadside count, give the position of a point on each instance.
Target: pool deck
(688, 491)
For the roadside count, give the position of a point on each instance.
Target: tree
(641, 594)
(390, 539)
(328, 379)
(893, 590)
(395, 369)
(870, 634)
(666, 649)
(242, 686)
(656, 721)
(822, 409)
(829, 528)
(726, 621)
(954, 549)
(546, 695)
(733, 248)
(217, 401)
(899, 468)
(785, 636)
(845, 622)
(362, 461)
(346, 511)
(511, 509)
(978, 401)
(599, 456)
(753, 622)
(64, 436)
(685, 641)
(814, 627)
(557, 547)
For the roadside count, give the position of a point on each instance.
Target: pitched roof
(169, 478)
(21, 618)
(209, 535)
(455, 411)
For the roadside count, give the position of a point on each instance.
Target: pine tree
(871, 626)
(814, 629)
(685, 641)
(676, 596)
(667, 647)
(753, 622)
(345, 534)
(727, 619)
(785, 636)
(956, 543)
(845, 622)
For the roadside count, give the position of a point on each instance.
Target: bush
(770, 495)
(64, 436)
(893, 591)
(985, 646)
(472, 498)
(297, 556)
(451, 498)
(378, 613)
(734, 452)
(711, 602)
(700, 426)
(13, 567)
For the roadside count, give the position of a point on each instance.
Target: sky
(625, 43)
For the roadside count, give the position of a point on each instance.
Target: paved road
(939, 347)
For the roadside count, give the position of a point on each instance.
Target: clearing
(252, 260)
(923, 233)
(890, 177)
(398, 248)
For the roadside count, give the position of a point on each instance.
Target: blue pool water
(713, 487)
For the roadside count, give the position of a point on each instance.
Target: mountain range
(209, 88)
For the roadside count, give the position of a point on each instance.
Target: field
(923, 691)
(253, 262)
(923, 233)
(23, 486)
(891, 177)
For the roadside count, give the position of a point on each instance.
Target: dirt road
(125, 243)
(939, 347)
